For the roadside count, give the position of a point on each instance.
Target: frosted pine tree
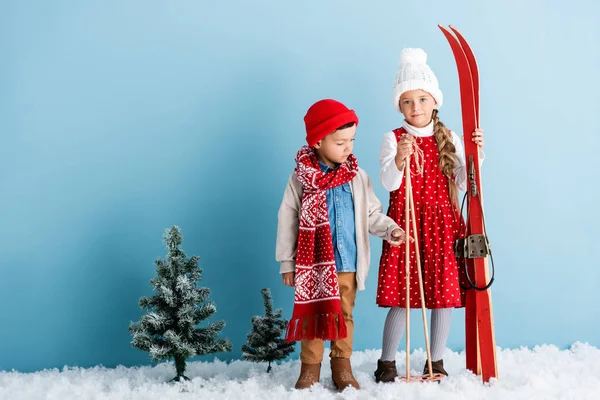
(168, 330)
(264, 341)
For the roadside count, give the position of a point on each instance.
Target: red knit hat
(324, 117)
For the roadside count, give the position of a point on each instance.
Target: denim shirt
(340, 207)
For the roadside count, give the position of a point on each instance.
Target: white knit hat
(414, 73)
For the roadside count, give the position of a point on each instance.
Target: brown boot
(386, 371)
(341, 373)
(309, 375)
(436, 366)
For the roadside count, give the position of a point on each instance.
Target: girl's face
(336, 147)
(417, 107)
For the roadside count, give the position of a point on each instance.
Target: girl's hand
(398, 237)
(288, 278)
(478, 137)
(405, 148)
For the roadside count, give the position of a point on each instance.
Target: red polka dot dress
(437, 228)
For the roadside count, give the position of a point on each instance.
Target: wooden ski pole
(409, 213)
(421, 291)
(407, 196)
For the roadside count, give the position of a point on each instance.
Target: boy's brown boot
(436, 366)
(309, 375)
(386, 371)
(341, 374)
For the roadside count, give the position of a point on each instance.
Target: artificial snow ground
(544, 372)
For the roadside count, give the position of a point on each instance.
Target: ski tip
(454, 28)
(445, 31)
(443, 28)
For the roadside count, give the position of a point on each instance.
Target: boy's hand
(288, 278)
(398, 237)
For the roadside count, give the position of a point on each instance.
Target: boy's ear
(318, 144)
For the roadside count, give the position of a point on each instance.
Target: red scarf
(317, 294)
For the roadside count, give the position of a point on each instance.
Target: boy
(327, 212)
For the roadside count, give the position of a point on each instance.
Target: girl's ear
(318, 144)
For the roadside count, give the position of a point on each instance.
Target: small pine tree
(264, 341)
(169, 329)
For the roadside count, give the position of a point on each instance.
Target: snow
(544, 372)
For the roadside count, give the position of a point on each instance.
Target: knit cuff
(287, 266)
(390, 229)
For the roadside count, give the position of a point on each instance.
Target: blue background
(119, 119)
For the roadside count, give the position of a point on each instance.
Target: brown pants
(312, 350)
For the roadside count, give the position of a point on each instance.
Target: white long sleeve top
(391, 177)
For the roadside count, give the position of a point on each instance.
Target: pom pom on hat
(414, 73)
(412, 56)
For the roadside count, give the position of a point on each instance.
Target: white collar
(419, 132)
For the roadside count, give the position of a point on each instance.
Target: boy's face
(417, 107)
(336, 147)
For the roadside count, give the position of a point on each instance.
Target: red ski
(480, 340)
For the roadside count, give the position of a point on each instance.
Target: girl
(438, 170)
